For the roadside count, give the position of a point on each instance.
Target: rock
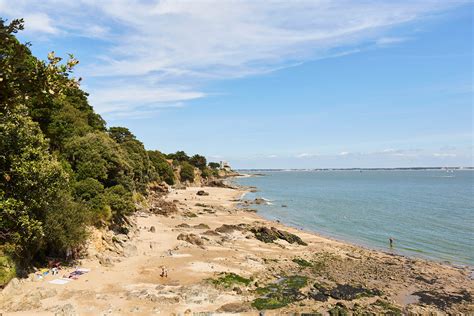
(104, 260)
(211, 233)
(192, 239)
(130, 250)
(269, 235)
(202, 193)
(152, 229)
(264, 234)
(201, 226)
(227, 229)
(183, 225)
(162, 207)
(289, 237)
(235, 307)
(237, 290)
(189, 214)
(259, 201)
(14, 284)
(158, 187)
(64, 310)
(284, 205)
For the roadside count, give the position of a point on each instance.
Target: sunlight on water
(428, 213)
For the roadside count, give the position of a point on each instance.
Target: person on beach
(164, 272)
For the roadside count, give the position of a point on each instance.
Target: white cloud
(125, 97)
(444, 155)
(385, 41)
(306, 155)
(344, 153)
(193, 41)
(39, 22)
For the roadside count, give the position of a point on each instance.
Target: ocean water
(429, 213)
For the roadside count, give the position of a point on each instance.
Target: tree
(136, 155)
(179, 156)
(198, 161)
(214, 165)
(162, 167)
(187, 172)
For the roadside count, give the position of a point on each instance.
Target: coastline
(207, 236)
(272, 213)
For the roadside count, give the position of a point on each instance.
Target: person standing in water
(390, 240)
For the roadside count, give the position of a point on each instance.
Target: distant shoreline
(355, 169)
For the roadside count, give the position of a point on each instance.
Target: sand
(131, 283)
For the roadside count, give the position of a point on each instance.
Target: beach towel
(60, 281)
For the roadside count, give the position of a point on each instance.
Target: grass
(227, 280)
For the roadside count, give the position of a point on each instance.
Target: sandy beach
(215, 264)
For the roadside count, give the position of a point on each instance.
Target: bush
(198, 161)
(7, 269)
(187, 172)
(214, 165)
(162, 167)
(120, 201)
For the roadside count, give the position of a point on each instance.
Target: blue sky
(304, 84)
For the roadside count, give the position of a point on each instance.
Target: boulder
(235, 307)
(183, 225)
(269, 235)
(152, 229)
(192, 239)
(202, 193)
(227, 229)
(162, 207)
(201, 226)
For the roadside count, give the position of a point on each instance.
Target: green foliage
(91, 193)
(32, 180)
(64, 226)
(98, 156)
(60, 168)
(7, 269)
(162, 167)
(388, 308)
(227, 280)
(187, 172)
(120, 201)
(280, 293)
(136, 155)
(214, 165)
(206, 173)
(198, 161)
(302, 263)
(179, 156)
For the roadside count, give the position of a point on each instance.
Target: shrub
(198, 161)
(214, 165)
(120, 201)
(162, 167)
(187, 172)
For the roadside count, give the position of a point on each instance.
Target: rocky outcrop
(228, 229)
(192, 239)
(269, 235)
(201, 226)
(162, 207)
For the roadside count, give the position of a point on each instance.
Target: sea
(428, 213)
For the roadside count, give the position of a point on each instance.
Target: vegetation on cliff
(61, 168)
